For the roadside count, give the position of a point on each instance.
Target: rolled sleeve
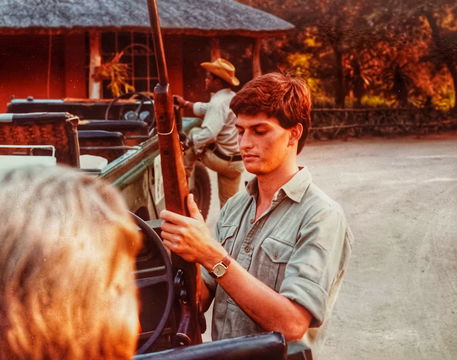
(308, 294)
(199, 108)
(315, 263)
(211, 125)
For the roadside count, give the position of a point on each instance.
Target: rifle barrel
(158, 43)
(174, 175)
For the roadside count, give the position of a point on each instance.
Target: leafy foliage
(117, 72)
(402, 53)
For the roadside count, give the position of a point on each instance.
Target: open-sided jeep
(122, 131)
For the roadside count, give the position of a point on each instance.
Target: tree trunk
(453, 71)
(400, 87)
(444, 52)
(215, 48)
(256, 67)
(339, 83)
(358, 83)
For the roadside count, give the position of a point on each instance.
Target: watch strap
(226, 260)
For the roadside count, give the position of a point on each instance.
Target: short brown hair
(67, 258)
(284, 97)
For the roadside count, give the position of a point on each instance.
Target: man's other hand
(178, 99)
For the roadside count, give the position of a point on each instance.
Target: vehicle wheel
(202, 188)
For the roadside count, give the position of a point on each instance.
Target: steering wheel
(136, 114)
(149, 274)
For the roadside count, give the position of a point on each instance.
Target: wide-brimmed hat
(223, 69)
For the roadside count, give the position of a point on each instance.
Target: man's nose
(244, 142)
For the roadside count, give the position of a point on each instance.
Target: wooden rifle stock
(174, 175)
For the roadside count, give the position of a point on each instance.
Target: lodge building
(52, 48)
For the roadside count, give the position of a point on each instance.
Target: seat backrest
(135, 132)
(83, 108)
(108, 144)
(56, 129)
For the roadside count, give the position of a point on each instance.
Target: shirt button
(252, 221)
(247, 249)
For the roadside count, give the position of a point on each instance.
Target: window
(138, 55)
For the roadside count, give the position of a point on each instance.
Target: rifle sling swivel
(167, 133)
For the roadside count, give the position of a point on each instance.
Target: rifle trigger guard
(179, 288)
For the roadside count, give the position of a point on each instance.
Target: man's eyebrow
(254, 126)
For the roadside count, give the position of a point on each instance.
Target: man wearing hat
(215, 142)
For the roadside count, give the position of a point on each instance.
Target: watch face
(219, 269)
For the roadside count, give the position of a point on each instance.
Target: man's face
(264, 144)
(210, 82)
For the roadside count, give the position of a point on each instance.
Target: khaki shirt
(299, 247)
(218, 124)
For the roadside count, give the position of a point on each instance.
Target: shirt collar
(294, 189)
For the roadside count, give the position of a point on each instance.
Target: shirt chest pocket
(273, 259)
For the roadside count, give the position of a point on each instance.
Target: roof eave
(220, 32)
(165, 31)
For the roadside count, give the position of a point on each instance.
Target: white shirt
(218, 124)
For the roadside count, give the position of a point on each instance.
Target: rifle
(175, 189)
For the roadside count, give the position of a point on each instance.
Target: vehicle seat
(134, 131)
(108, 144)
(56, 129)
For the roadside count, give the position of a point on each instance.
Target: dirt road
(399, 299)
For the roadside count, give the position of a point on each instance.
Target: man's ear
(295, 133)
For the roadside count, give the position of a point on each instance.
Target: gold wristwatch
(221, 267)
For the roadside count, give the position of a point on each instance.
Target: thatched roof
(199, 17)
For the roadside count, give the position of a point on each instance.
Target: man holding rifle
(282, 245)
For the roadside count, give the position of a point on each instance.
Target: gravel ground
(399, 298)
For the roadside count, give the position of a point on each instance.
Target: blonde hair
(67, 252)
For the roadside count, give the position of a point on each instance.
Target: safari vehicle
(120, 130)
(135, 142)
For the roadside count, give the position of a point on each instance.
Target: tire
(202, 188)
